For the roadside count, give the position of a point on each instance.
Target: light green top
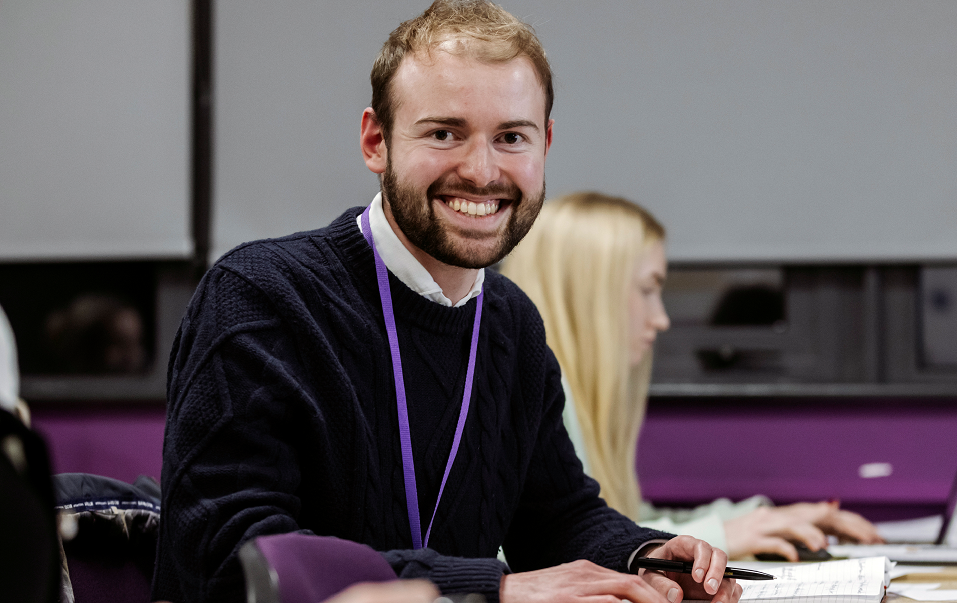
(705, 522)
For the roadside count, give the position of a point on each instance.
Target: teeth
(471, 208)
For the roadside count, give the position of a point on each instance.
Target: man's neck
(456, 282)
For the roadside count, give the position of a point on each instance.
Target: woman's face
(646, 311)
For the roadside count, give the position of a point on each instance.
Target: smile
(470, 208)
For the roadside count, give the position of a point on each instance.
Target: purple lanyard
(405, 437)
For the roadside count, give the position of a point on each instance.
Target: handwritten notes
(844, 581)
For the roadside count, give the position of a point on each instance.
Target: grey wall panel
(756, 130)
(94, 129)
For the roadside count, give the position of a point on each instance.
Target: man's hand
(397, 591)
(772, 530)
(577, 582)
(706, 581)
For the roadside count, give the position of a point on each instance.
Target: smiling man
(371, 381)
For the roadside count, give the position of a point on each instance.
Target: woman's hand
(773, 529)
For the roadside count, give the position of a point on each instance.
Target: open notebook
(842, 581)
(942, 551)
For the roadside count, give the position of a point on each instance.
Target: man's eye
(442, 134)
(511, 138)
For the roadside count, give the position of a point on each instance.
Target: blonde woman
(595, 266)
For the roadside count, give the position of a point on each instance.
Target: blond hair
(500, 38)
(576, 264)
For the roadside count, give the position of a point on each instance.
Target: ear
(372, 142)
(548, 135)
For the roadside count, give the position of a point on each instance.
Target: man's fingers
(708, 561)
(730, 592)
(578, 581)
(726, 592)
(664, 585)
(716, 565)
(398, 591)
(653, 594)
(707, 579)
(632, 588)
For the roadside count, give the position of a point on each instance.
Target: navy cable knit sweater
(281, 417)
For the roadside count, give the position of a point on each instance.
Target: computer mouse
(804, 554)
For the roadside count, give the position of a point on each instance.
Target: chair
(29, 551)
(301, 568)
(110, 556)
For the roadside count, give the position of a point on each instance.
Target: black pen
(684, 567)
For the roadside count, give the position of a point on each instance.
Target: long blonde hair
(576, 264)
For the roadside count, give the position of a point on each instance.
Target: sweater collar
(403, 264)
(409, 305)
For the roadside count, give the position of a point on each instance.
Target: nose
(478, 164)
(659, 317)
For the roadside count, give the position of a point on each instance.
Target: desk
(946, 577)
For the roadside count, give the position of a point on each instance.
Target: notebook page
(866, 569)
(844, 581)
(834, 592)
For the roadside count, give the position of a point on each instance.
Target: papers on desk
(843, 581)
(900, 570)
(923, 591)
(903, 553)
(907, 531)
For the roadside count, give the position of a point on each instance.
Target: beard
(415, 215)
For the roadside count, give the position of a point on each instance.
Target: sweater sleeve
(562, 518)
(452, 575)
(229, 474)
(241, 444)
(708, 527)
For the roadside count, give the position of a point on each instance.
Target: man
(324, 381)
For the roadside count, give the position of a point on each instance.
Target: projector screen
(757, 131)
(94, 124)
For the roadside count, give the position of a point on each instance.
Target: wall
(95, 121)
(690, 450)
(122, 442)
(694, 450)
(756, 131)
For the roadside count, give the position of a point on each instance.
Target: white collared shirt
(9, 375)
(403, 264)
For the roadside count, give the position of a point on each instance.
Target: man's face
(464, 173)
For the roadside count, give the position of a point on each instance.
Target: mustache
(457, 188)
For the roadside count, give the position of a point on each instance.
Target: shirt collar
(403, 264)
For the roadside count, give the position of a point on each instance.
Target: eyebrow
(458, 122)
(518, 123)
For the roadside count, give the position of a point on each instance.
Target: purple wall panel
(690, 451)
(119, 442)
(694, 451)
